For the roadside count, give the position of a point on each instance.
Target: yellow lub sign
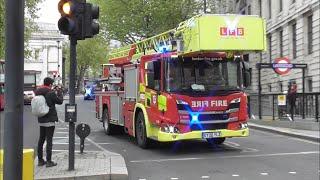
(224, 33)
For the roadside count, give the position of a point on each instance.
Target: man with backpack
(52, 97)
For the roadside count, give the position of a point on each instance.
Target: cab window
(153, 75)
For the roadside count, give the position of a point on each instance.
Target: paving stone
(90, 165)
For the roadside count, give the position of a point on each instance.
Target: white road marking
(104, 143)
(173, 178)
(65, 137)
(304, 140)
(292, 172)
(58, 143)
(62, 132)
(96, 144)
(62, 128)
(142, 179)
(237, 146)
(232, 144)
(205, 177)
(249, 150)
(264, 174)
(239, 156)
(163, 160)
(235, 175)
(65, 150)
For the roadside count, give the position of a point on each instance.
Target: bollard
(82, 130)
(27, 167)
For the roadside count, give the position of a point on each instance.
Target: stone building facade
(45, 46)
(293, 31)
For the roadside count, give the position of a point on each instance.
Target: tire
(216, 141)
(141, 134)
(109, 129)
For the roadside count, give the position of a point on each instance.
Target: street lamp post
(58, 59)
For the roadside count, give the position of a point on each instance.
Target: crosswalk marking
(205, 177)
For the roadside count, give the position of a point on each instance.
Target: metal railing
(269, 105)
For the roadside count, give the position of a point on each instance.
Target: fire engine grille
(211, 117)
(197, 127)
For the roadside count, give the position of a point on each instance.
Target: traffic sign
(282, 65)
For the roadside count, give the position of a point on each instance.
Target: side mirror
(246, 74)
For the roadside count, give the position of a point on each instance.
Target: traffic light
(90, 25)
(70, 11)
(78, 18)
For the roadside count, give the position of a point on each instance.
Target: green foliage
(91, 53)
(131, 20)
(31, 10)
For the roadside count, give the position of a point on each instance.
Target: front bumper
(167, 137)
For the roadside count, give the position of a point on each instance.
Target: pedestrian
(292, 96)
(53, 96)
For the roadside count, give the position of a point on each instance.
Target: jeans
(46, 133)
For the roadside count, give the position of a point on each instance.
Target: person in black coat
(292, 96)
(47, 122)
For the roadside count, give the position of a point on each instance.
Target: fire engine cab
(186, 83)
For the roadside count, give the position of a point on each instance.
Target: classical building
(293, 31)
(45, 46)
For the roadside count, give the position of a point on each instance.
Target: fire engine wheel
(216, 141)
(108, 128)
(141, 134)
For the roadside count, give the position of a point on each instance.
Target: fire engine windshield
(202, 75)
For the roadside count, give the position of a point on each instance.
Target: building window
(36, 54)
(269, 8)
(269, 48)
(280, 86)
(310, 34)
(249, 9)
(294, 40)
(269, 87)
(309, 84)
(281, 43)
(280, 5)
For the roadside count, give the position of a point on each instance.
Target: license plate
(206, 135)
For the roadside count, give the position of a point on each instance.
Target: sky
(48, 11)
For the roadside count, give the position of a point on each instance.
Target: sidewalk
(304, 129)
(93, 165)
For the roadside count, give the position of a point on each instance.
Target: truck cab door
(153, 95)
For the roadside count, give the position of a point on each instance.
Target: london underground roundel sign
(282, 65)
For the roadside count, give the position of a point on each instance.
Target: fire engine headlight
(237, 100)
(243, 125)
(170, 129)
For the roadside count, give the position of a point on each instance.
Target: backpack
(39, 106)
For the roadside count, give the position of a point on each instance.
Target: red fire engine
(186, 83)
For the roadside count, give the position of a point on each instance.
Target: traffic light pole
(13, 124)
(72, 101)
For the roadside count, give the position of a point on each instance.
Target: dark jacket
(52, 98)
